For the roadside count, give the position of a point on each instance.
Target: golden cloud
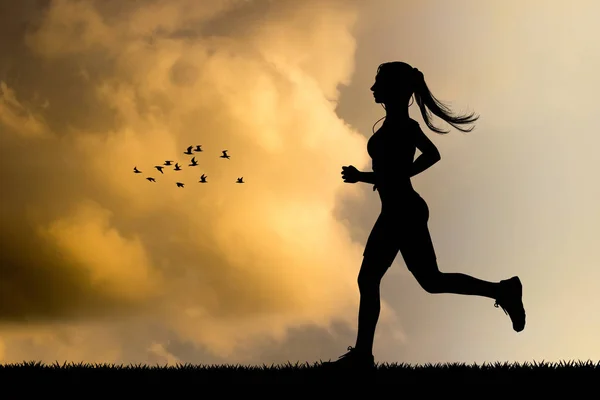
(219, 264)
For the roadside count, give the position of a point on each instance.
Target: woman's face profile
(386, 90)
(377, 89)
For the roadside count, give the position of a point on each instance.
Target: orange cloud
(219, 265)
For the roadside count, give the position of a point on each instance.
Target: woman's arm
(367, 177)
(423, 162)
(429, 153)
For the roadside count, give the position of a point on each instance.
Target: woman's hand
(350, 174)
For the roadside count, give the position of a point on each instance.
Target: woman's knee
(371, 272)
(430, 279)
(368, 283)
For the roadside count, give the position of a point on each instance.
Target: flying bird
(225, 155)
(151, 179)
(194, 162)
(198, 147)
(202, 179)
(159, 168)
(136, 171)
(179, 184)
(168, 163)
(189, 150)
(240, 180)
(177, 167)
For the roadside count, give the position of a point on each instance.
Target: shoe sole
(519, 289)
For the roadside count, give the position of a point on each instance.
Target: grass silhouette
(455, 373)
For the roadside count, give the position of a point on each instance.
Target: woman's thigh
(382, 241)
(380, 251)
(417, 249)
(405, 232)
(415, 242)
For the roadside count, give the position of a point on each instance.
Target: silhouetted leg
(440, 282)
(372, 270)
(380, 251)
(379, 254)
(419, 255)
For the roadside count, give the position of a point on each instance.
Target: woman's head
(396, 82)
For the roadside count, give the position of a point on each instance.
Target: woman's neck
(396, 112)
(394, 117)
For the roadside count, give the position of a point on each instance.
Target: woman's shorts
(402, 229)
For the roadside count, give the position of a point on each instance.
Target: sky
(99, 265)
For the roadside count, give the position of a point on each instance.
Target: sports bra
(392, 147)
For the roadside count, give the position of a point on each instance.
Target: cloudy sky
(97, 264)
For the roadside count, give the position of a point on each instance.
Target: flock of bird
(190, 151)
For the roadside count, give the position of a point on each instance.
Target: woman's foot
(511, 301)
(353, 359)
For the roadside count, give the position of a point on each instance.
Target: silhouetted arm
(423, 162)
(429, 153)
(367, 177)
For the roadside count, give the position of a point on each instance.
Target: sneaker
(352, 359)
(511, 301)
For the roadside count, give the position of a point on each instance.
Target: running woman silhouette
(402, 223)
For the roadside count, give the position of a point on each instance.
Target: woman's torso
(392, 150)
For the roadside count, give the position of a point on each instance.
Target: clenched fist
(350, 174)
